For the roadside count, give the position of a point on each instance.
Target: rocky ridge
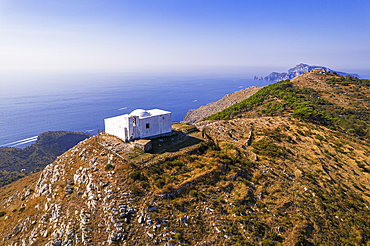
(194, 115)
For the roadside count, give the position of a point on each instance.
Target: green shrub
(267, 242)
(352, 131)
(193, 193)
(2, 213)
(340, 150)
(108, 166)
(360, 165)
(339, 175)
(301, 240)
(159, 183)
(286, 221)
(310, 177)
(137, 175)
(274, 236)
(288, 150)
(267, 148)
(327, 152)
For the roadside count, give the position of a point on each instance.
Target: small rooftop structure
(140, 124)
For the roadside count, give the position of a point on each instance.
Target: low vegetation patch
(267, 148)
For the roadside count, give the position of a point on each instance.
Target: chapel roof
(140, 112)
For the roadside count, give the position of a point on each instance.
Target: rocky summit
(289, 165)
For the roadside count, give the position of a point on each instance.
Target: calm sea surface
(28, 108)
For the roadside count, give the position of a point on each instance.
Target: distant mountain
(298, 70)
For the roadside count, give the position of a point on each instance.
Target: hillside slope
(16, 162)
(319, 97)
(266, 175)
(193, 115)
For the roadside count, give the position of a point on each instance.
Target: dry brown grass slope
(344, 95)
(306, 183)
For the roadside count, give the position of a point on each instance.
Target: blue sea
(32, 105)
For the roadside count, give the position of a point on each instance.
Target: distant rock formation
(194, 115)
(298, 70)
(259, 78)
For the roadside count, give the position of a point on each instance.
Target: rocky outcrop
(82, 169)
(194, 115)
(298, 70)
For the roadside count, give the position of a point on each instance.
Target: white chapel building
(140, 123)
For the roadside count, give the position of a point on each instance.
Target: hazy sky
(119, 35)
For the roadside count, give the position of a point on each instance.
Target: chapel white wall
(158, 124)
(116, 127)
(123, 126)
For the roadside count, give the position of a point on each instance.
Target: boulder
(141, 219)
(57, 243)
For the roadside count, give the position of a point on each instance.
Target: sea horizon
(32, 106)
(35, 103)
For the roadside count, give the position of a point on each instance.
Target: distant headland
(298, 70)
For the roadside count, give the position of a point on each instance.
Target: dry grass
(344, 96)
